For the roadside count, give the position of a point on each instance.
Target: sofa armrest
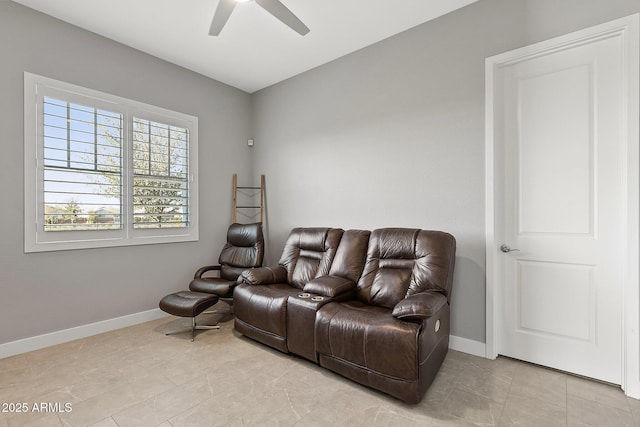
(202, 270)
(263, 276)
(419, 306)
(329, 286)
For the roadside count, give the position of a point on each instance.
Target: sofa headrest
(403, 261)
(396, 243)
(308, 253)
(312, 239)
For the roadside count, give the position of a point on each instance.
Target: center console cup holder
(317, 298)
(304, 295)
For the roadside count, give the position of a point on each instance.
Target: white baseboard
(65, 335)
(632, 389)
(466, 345)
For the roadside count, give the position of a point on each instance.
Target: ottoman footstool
(189, 304)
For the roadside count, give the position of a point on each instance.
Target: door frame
(627, 29)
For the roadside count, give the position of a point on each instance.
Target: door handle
(506, 249)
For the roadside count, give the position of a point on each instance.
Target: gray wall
(45, 292)
(393, 135)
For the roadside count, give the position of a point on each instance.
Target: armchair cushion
(329, 286)
(264, 276)
(244, 249)
(419, 306)
(213, 285)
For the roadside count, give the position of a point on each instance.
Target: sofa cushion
(387, 271)
(263, 276)
(402, 262)
(308, 253)
(264, 307)
(368, 336)
(419, 306)
(329, 286)
(351, 255)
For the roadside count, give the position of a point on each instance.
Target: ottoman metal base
(193, 328)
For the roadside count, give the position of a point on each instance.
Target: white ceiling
(254, 50)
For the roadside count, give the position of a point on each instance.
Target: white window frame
(35, 238)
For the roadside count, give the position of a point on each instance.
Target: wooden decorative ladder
(235, 197)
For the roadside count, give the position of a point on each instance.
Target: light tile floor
(137, 376)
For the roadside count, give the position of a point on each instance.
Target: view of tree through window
(160, 175)
(82, 167)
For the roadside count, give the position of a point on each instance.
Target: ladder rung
(247, 187)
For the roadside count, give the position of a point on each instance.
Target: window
(160, 180)
(108, 171)
(82, 166)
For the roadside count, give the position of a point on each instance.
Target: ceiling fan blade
(223, 12)
(280, 11)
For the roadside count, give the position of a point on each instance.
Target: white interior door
(561, 205)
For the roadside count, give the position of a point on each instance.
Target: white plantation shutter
(160, 175)
(82, 167)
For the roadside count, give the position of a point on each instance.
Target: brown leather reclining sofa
(370, 306)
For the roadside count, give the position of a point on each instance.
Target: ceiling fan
(274, 7)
